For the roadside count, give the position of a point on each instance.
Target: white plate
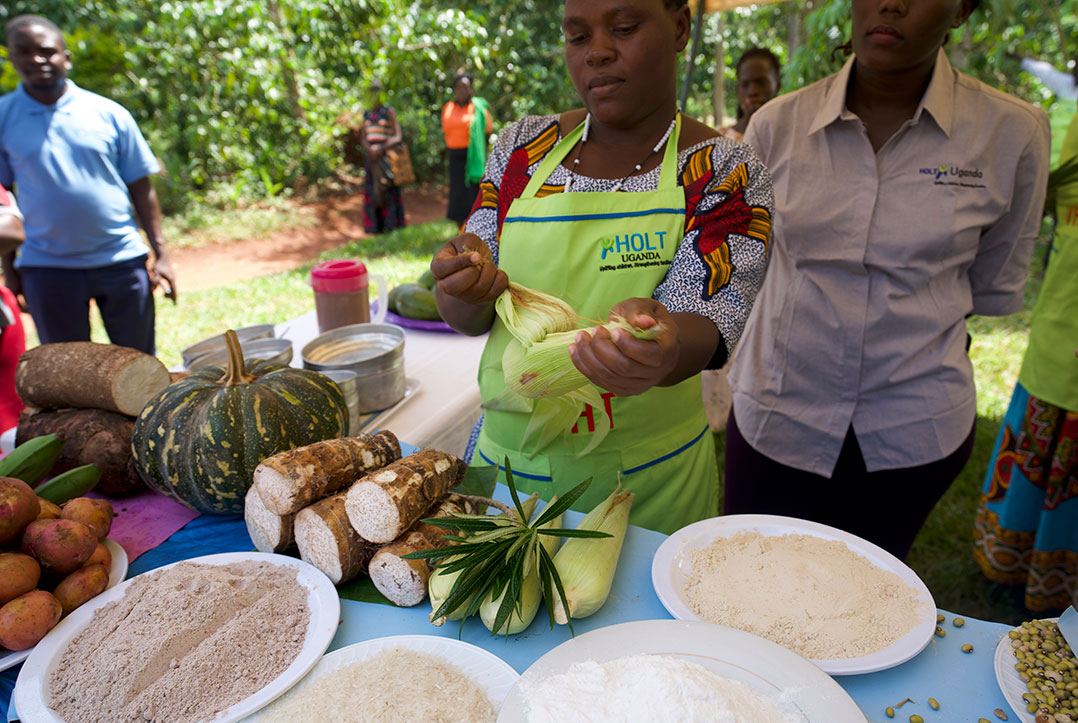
(117, 572)
(1010, 684)
(795, 684)
(30, 693)
(488, 670)
(672, 565)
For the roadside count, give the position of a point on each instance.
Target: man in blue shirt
(79, 163)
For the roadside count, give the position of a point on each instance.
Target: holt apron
(594, 250)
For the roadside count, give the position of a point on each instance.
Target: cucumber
(69, 485)
(416, 301)
(427, 279)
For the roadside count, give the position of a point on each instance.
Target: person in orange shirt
(466, 140)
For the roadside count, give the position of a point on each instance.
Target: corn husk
(586, 566)
(540, 378)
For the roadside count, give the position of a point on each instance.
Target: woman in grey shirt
(907, 197)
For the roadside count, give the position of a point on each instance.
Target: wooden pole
(718, 91)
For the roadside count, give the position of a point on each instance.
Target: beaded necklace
(584, 140)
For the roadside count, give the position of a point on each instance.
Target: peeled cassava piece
(89, 375)
(404, 582)
(269, 532)
(289, 481)
(384, 504)
(537, 365)
(326, 540)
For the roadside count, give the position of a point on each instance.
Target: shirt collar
(37, 106)
(938, 99)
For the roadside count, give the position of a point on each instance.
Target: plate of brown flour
(213, 638)
(846, 604)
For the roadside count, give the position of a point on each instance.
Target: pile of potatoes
(52, 559)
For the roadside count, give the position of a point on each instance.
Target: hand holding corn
(617, 361)
(465, 270)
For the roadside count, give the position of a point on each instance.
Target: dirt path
(339, 221)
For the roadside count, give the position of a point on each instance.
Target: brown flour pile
(183, 644)
(813, 596)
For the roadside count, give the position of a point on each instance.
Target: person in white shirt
(908, 196)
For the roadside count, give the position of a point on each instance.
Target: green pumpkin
(200, 439)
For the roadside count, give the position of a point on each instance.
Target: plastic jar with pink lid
(341, 294)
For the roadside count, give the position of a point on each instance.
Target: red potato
(94, 513)
(60, 546)
(80, 586)
(25, 620)
(101, 556)
(49, 510)
(19, 574)
(18, 508)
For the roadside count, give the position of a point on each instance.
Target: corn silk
(540, 377)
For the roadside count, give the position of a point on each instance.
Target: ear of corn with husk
(586, 566)
(531, 593)
(537, 365)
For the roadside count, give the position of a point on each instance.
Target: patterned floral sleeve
(719, 266)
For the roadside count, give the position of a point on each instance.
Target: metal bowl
(346, 380)
(275, 351)
(213, 343)
(375, 352)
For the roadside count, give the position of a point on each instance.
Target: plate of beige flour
(213, 638)
(844, 603)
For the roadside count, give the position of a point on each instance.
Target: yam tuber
(269, 532)
(25, 620)
(326, 540)
(81, 586)
(90, 436)
(289, 481)
(404, 582)
(384, 504)
(101, 556)
(18, 508)
(19, 574)
(94, 513)
(87, 375)
(49, 510)
(60, 546)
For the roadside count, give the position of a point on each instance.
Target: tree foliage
(243, 97)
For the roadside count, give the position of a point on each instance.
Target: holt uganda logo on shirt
(954, 175)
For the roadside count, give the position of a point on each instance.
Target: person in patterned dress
(383, 209)
(624, 207)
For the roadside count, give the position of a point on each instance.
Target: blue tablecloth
(964, 684)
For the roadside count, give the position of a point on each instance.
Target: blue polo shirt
(72, 162)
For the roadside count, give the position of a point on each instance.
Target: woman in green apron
(1027, 523)
(622, 207)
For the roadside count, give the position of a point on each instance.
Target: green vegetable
(427, 279)
(416, 301)
(69, 485)
(391, 302)
(32, 459)
(200, 439)
(497, 552)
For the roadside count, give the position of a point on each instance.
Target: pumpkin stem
(236, 374)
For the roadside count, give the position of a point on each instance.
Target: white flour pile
(183, 644)
(647, 688)
(394, 685)
(813, 596)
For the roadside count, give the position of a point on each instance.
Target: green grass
(399, 256)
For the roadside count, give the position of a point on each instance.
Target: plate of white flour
(668, 671)
(844, 603)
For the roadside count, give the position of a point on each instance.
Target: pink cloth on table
(144, 521)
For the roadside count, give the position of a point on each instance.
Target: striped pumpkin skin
(199, 442)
